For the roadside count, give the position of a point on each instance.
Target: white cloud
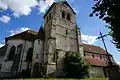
(18, 30)
(43, 5)
(76, 11)
(19, 7)
(1, 45)
(88, 39)
(23, 7)
(5, 19)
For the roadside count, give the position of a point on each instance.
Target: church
(40, 53)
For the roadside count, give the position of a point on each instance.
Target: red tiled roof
(96, 62)
(26, 35)
(93, 49)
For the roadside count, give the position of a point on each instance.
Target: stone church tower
(62, 36)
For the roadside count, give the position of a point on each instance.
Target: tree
(75, 66)
(1, 9)
(108, 11)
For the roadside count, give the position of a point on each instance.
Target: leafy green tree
(0, 9)
(75, 66)
(108, 11)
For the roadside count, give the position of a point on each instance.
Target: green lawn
(61, 79)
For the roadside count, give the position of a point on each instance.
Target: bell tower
(61, 36)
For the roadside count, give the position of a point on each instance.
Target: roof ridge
(91, 45)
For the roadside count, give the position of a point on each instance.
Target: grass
(61, 79)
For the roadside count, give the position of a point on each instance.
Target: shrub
(75, 66)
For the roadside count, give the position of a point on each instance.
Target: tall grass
(60, 79)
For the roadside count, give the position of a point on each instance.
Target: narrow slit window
(66, 32)
(68, 16)
(63, 14)
(55, 56)
(100, 56)
(93, 56)
(84, 54)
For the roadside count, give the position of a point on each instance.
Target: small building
(98, 60)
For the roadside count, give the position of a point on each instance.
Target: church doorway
(37, 70)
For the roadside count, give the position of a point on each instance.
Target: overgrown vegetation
(108, 11)
(61, 79)
(75, 66)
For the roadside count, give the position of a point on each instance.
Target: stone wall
(96, 72)
(7, 64)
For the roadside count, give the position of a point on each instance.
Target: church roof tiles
(26, 35)
(96, 62)
(93, 49)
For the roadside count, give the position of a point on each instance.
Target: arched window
(12, 53)
(63, 14)
(68, 16)
(29, 55)
(16, 59)
(19, 48)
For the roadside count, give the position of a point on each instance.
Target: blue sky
(21, 15)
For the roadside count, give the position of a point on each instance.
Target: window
(68, 16)
(63, 14)
(93, 56)
(100, 56)
(0, 66)
(55, 56)
(29, 55)
(12, 53)
(84, 54)
(66, 32)
(54, 59)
